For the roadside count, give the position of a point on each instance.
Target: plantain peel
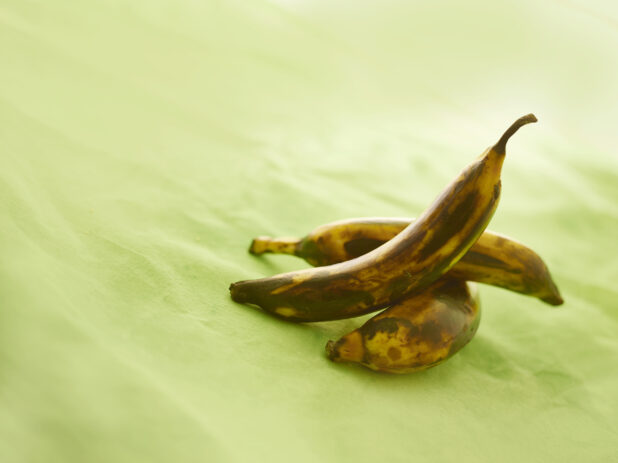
(419, 255)
(419, 332)
(494, 259)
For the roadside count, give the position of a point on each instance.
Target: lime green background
(144, 143)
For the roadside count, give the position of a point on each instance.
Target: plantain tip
(554, 299)
(238, 295)
(253, 248)
(331, 352)
(260, 245)
(500, 147)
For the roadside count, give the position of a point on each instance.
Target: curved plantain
(421, 331)
(494, 259)
(415, 258)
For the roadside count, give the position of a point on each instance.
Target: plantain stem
(263, 244)
(500, 147)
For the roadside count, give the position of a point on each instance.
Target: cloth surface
(144, 144)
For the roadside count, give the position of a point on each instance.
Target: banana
(334, 242)
(421, 331)
(415, 258)
(494, 259)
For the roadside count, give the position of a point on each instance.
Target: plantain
(415, 258)
(421, 331)
(494, 259)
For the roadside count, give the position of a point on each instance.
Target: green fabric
(144, 143)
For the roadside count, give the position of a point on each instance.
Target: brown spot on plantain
(431, 331)
(394, 354)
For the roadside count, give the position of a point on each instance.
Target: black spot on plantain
(385, 325)
(359, 246)
(450, 224)
(476, 231)
(431, 331)
(412, 240)
(399, 286)
(456, 290)
(314, 307)
(310, 251)
(450, 286)
(484, 260)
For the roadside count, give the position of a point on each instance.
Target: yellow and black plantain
(494, 259)
(421, 331)
(415, 258)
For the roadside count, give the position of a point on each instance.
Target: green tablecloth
(144, 143)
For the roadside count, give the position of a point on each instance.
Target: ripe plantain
(494, 259)
(415, 258)
(419, 332)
